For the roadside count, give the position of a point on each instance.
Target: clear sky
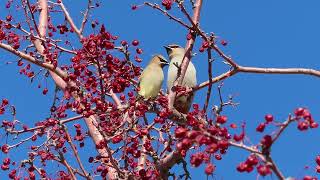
(259, 33)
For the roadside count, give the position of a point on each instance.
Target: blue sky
(259, 33)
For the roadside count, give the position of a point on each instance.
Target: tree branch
(187, 57)
(210, 79)
(32, 60)
(311, 72)
(75, 153)
(69, 19)
(257, 70)
(168, 162)
(85, 17)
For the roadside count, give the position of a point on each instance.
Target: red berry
(123, 43)
(299, 111)
(266, 141)
(249, 169)
(139, 51)
(238, 137)
(309, 178)
(218, 157)
(20, 63)
(134, 7)
(130, 94)
(45, 91)
(9, 18)
(306, 114)
(109, 57)
(303, 125)
(195, 106)
(135, 42)
(158, 120)
(261, 127)
(233, 126)
(314, 125)
(222, 119)
(122, 97)
(167, 4)
(180, 132)
(5, 102)
(242, 167)
(224, 42)
(252, 160)
(223, 144)
(263, 170)
(318, 160)
(100, 168)
(205, 44)
(268, 118)
(5, 148)
(4, 167)
(12, 174)
(6, 161)
(116, 139)
(209, 169)
(137, 59)
(90, 159)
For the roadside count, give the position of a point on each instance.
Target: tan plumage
(176, 54)
(152, 77)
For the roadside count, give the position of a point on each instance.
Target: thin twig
(257, 70)
(85, 17)
(75, 153)
(70, 20)
(33, 19)
(210, 79)
(282, 128)
(156, 6)
(66, 164)
(41, 127)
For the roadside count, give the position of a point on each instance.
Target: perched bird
(176, 54)
(152, 77)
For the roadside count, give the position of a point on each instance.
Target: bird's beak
(168, 49)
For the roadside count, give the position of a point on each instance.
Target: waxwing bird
(176, 54)
(152, 77)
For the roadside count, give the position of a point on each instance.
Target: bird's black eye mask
(163, 61)
(174, 46)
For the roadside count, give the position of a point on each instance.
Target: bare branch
(66, 164)
(156, 6)
(69, 19)
(257, 70)
(187, 57)
(311, 72)
(32, 60)
(75, 153)
(210, 79)
(85, 17)
(40, 127)
(168, 162)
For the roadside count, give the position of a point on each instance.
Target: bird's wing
(151, 81)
